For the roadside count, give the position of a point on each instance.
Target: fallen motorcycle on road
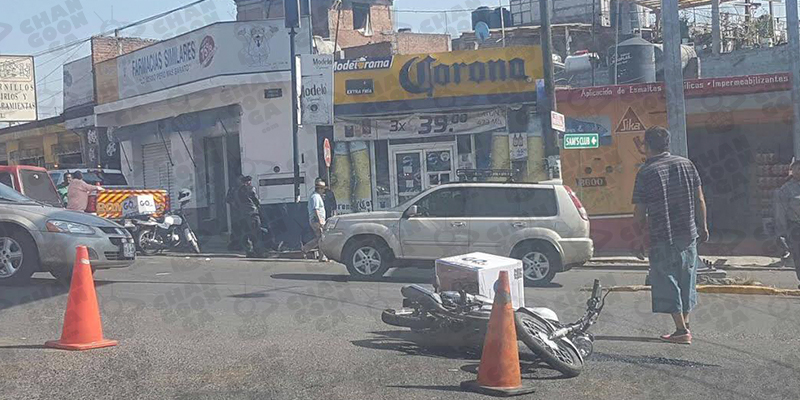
(564, 347)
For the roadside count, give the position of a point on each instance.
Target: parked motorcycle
(171, 231)
(562, 346)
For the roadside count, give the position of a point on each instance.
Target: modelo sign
(316, 97)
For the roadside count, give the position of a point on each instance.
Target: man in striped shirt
(666, 195)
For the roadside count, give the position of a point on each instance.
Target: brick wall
(401, 43)
(380, 21)
(107, 47)
(765, 60)
(416, 43)
(382, 49)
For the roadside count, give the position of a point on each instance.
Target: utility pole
(550, 148)
(594, 41)
(291, 15)
(673, 77)
(715, 36)
(794, 53)
(295, 145)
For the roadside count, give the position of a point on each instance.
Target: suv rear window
(105, 179)
(38, 186)
(500, 202)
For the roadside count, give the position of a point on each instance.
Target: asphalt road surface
(238, 329)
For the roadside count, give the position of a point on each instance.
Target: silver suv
(543, 224)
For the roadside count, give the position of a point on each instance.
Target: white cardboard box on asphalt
(476, 273)
(143, 204)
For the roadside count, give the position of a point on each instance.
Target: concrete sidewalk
(755, 263)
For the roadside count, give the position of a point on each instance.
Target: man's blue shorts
(673, 276)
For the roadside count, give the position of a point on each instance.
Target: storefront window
(383, 194)
(351, 177)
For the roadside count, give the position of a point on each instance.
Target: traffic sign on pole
(326, 152)
(581, 141)
(557, 121)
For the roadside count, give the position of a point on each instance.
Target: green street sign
(581, 141)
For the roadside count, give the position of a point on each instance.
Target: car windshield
(38, 186)
(9, 194)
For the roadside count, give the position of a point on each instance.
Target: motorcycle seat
(420, 294)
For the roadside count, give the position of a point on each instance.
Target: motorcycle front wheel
(146, 241)
(192, 240)
(535, 332)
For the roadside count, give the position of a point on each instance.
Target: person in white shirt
(316, 216)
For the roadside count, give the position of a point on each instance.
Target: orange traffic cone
(498, 373)
(82, 327)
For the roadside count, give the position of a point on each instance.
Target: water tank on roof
(633, 60)
(482, 14)
(495, 22)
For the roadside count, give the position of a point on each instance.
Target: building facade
(410, 122)
(197, 110)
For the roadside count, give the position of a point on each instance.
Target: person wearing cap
(250, 212)
(316, 216)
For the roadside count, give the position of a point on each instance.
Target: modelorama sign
(17, 89)
(468, 73)
(420, 125)
(224, 48)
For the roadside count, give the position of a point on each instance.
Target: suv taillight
(91, 205)
(577, 202)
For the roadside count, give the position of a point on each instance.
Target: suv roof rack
(476, 175)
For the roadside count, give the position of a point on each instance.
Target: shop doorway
(222, 168)
(415, 168)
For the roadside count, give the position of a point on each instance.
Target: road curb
(717, 289)
(645, 267)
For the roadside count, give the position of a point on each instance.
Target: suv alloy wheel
(367, 258)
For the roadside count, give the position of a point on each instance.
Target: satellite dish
(482, 31)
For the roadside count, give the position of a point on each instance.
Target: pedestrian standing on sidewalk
(666, 195)
(787, 214)
(251, 214)
(316, 217)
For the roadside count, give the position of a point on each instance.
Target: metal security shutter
(158, 171)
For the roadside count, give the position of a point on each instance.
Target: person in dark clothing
(329, 199)
(250, 211)
(238, 227)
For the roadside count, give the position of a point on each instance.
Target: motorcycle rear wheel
(145, 240)
(534, 332)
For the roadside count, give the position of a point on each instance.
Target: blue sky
(34, 26)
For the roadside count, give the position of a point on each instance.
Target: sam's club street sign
(581, 141)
